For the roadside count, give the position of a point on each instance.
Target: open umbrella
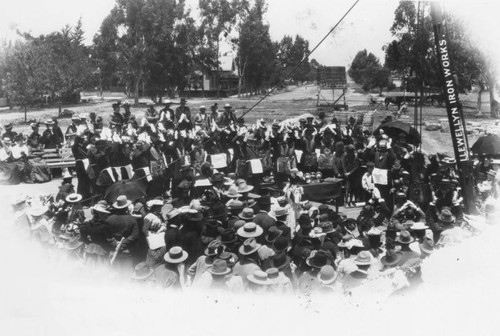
(488, 144)
(394, 128)
(130, 188)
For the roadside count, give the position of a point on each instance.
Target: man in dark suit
(262, 217)
(121, 225)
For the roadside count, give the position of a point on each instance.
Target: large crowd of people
(200, 199)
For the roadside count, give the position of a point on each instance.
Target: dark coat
(264, 220)
(123, 226)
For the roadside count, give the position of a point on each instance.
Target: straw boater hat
(327, 275)
(391, 258)
(260, 278)
(219, 267)
(249, 246)
(73, 198)
(142, 271)
(175, 255)
(405, 238)
(121, 202)
(250, 230)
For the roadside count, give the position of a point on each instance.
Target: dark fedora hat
(391, 258)
(218, 211)
(272, 234)
(304, 221)
(280, 260)
(280, 244)
(212, 228)
(228, 236)
(446, 216)
(214, 248)
(319, 259)
(323, 208)
(195, 217)
(217, 177)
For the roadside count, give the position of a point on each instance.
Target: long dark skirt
(9, 173)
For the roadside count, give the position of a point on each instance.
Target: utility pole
(454, 110)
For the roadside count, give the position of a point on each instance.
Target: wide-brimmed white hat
(73, 198)
(260, 278)
(121, 202)
(175, 255)
(250, 230)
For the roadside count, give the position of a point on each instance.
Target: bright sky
(367, 26)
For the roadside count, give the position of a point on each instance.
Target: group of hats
(264, 278)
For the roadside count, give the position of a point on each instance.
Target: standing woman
(351, 164)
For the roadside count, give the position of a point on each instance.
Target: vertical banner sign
(455, 117)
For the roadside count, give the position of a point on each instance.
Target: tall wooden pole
(454, 110)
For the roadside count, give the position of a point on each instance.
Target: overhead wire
(306, 57)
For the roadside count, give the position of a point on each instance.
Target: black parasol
(394, 128)
(130, 188)
(488, 144)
